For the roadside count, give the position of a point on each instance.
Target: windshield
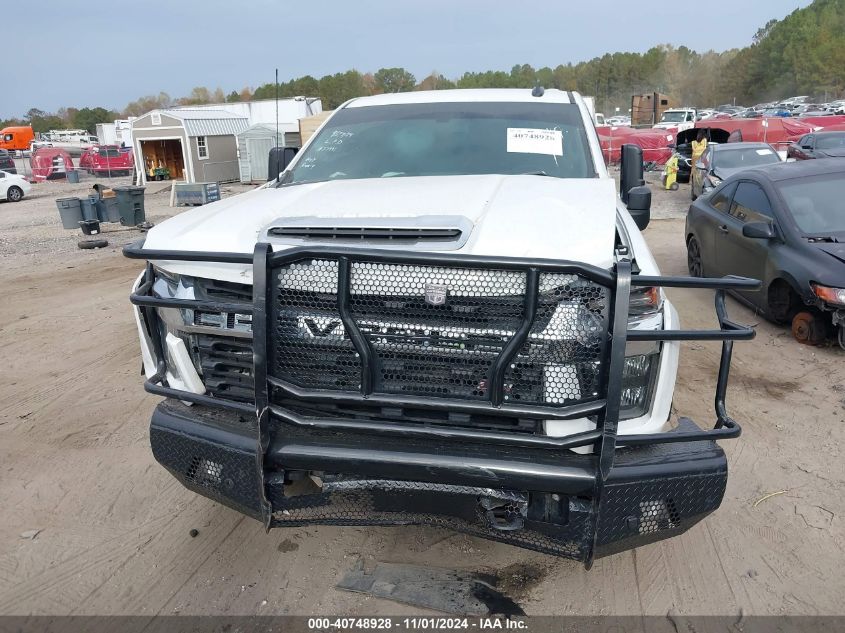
(446, 139)
(673, 117)
(746, 157)
(816, 204)
(830, 141)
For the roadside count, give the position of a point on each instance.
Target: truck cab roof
(507, 95)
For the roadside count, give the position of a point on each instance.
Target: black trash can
(130, 203)
(90, 227)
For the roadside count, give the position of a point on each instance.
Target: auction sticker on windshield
(526, 140)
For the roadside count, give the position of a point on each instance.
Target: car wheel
(14, 194)
(696, 268)
(781, 302)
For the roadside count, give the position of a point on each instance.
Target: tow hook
(504, 515)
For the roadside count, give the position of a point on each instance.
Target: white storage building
(254, 145)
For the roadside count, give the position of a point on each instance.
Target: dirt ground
(113, 526)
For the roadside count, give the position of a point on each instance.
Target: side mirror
(280, 158)
(759, 230)
(630, 170)
(639, 206)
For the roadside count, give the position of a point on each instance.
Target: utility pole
(277, 107)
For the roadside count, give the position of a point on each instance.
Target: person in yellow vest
(670, 173)
(698, 147)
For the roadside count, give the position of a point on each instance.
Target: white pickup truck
(679, 118)
(440, 312)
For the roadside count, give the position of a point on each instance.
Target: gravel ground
(31, 229)
(97, 527)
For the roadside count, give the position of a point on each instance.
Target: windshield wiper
(535, 173)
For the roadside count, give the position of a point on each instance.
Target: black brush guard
(529, 490)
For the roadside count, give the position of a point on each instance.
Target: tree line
(802, 54)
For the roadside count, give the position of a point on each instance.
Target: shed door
(258, 150)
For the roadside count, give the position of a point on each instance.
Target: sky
(110, 52)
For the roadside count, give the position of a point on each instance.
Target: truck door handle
(723, 228)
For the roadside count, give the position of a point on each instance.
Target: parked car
(395, 312)
(107, 160)
(7, 162)
(781, 224)
(680, 118)
(818, 145)
(683, 147)
(814, 113)
(776, 111)
(749, 113)
(720, 161)
(13, 187)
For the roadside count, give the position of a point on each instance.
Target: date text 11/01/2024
(416, 623)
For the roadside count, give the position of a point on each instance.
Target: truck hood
(512, 216)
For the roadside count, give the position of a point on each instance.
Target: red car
(107, 160)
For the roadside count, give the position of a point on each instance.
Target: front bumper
(535, 499)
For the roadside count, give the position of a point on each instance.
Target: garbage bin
(72, 175)
(130, 202)
(90, 227)
(70, 211)
(109, 210)
(89, 208)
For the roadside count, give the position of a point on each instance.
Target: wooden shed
(190, 144)
(254, 145)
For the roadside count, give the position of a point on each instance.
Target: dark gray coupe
(785, 225)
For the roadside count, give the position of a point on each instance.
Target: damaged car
(683, 147)
(782, 224)
(721, 161)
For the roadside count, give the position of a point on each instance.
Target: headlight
(645, 301)
(644, 312)
(172, 286)
(637, 381)
(831, 295)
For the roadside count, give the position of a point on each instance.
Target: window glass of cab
(751, 204)
(721, 199)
